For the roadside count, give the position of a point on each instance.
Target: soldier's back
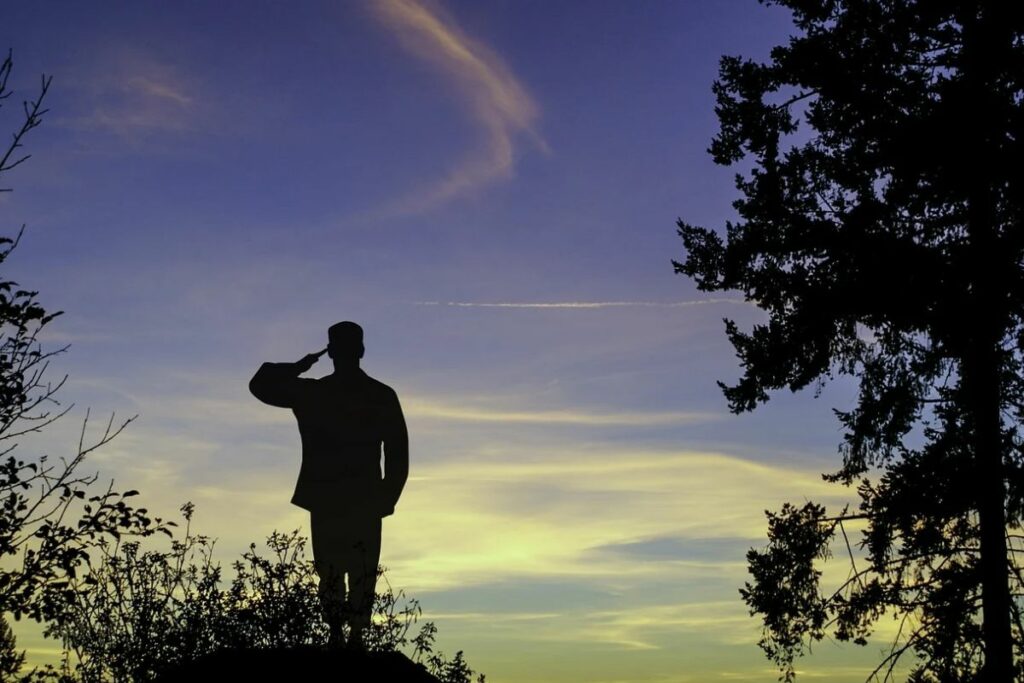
(342, 421)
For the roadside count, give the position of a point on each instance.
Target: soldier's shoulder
(377, 384)
(380, 387)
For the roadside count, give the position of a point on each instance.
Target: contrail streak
(585, 304)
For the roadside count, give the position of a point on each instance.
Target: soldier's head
(345, 342)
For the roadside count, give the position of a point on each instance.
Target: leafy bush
(140, 613)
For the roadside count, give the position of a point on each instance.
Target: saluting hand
(309, 360)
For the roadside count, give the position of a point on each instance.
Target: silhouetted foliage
(140, 614)
(50, 513)
(879, 227)
(10, 659)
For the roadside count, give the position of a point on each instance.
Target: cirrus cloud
(494, 98)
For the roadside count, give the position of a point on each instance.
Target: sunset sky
(490, 189)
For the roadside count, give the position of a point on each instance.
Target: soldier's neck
(348, 368)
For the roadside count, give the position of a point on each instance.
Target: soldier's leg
(329, 559)
(361, 567)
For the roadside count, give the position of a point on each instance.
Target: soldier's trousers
(346, 547)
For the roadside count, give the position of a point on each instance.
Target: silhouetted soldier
(344, 418)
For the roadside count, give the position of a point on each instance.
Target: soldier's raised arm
(276, 384)
(396, 454)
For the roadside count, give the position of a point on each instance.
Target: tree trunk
(981, 377)
(991, 496)
(986, 41)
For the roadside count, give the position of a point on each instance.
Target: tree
(51, 517)
(879, 227)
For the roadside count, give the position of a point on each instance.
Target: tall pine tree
(879, 227)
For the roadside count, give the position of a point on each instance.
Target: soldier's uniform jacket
(345, 420)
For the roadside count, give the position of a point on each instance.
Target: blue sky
(491, 190)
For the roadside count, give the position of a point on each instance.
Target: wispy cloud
(555, 506)
(234, 411)
(493, 97)
(159, 89)
(131, 95)
(584, 304)
(433, 409)
(639, 627)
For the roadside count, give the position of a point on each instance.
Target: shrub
(140, 613)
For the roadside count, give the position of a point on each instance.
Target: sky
(491, 191)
